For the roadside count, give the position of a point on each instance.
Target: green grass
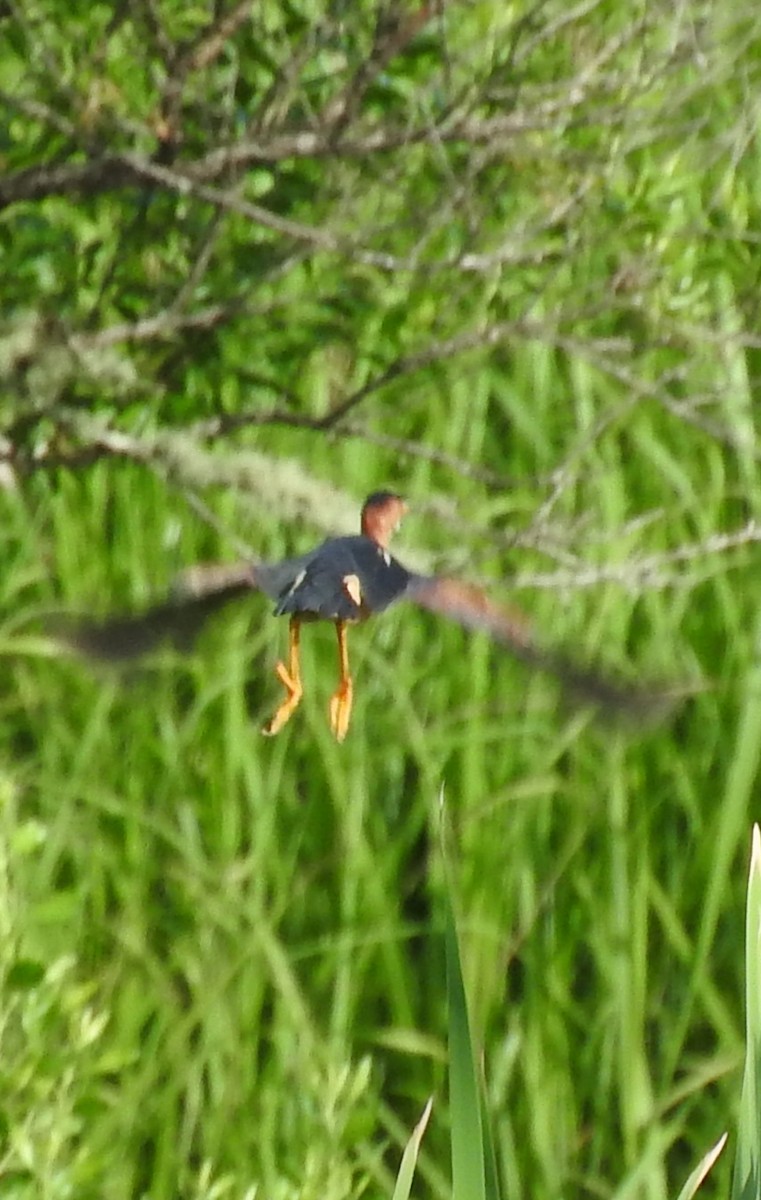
(245, 927)
(223, 958)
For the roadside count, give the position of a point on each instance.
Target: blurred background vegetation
(259, 259)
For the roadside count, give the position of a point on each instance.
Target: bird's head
(382, 513)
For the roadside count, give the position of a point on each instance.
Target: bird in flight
(345, 580)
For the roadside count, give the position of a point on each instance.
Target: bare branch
(200, 53)
(109, 172)
(394, 31)
(649, 572)
(166, 324)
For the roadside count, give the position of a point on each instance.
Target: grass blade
(468, 1173)
(704, 1166)
(409, 1158)
(747, 1174)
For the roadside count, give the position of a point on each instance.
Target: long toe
(340, 712)
(275, 723)
(281, 717)
(289, 705)
(286, 678)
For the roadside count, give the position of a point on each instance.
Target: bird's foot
(290, 704)
(340, 709)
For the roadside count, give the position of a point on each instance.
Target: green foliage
(258, 261)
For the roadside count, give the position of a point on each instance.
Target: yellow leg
(290, 677)
(340, 702)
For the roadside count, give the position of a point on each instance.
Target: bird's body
(343, 580)
(319, 588)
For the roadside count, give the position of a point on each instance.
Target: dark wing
(198, 593)
(471, 608)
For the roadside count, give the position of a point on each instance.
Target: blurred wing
(198, 593)
(471, 608)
